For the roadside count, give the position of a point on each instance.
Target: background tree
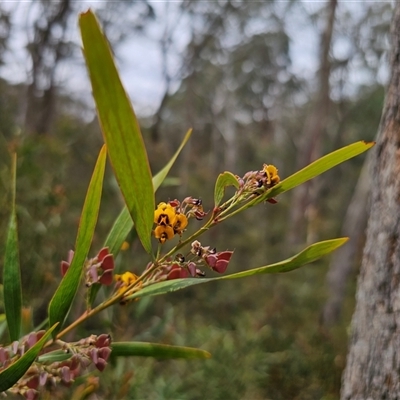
(374, 358)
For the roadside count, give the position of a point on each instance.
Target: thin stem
(87, 314)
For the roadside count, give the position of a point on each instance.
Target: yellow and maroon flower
(163, 233)
(272, 174)
(164, 215)
(180, 223)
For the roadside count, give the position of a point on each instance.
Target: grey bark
(373, 364)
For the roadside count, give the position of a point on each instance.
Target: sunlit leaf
(120, 128)
(223, 181)
(11, 272)
(308, 255)
(11, 375)
(65, 293)
(160, 351)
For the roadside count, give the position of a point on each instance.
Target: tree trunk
(304, 210)
(373, 363)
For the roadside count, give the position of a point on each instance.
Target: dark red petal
(107, 277)
(184, 273)
(3, 355)
(103, 253)
(101, 364)
(192, 268)
(33, 383)
(224, 255)
(272, 200)
(174, 203)
(211, 260)
(108, 262)
(177, 272)
(173, 274)
(221, 266)
(93, 353)
(104, 353)
(104, 340)
(64, 267)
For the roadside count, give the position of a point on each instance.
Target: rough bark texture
(373, 364)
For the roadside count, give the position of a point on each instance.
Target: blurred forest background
(235, 72)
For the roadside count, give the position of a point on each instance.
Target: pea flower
(272, 175)
(98, 269)
(124, 281)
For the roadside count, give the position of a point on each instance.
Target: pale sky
(139, 57)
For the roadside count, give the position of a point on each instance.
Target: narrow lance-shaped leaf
(317, 167)
(308, 255)
(124, 223)
(11, 375)
(12, 273)
(65, 293)
(223, 181)
(155, 350)
(120, 128)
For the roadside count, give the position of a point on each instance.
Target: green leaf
(11, 375)
(54, 356)
(156, 350)
(65, 293)
(225, 179)
(12, 273)
(160, 176)
(120, 128)
(318, 167)
(119, 231)
(308, 255)
(124, 223)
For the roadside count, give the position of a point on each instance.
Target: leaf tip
(369, 143)
(85, 13)
(207, 355)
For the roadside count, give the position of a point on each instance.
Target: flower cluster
(98, 269)
(217, 261)
(12, 352)
(172, 218)
(191, 265)
(77, 358)
(258, 181)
